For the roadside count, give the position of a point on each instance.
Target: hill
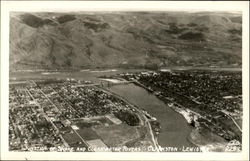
(124, 39)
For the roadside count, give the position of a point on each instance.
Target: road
(82, 139)
(47, 118)
(236, 124)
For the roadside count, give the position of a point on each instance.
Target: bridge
(109, 83)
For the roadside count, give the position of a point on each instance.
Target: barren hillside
(124, 39)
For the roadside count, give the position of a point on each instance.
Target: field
(117, 135)
(207, 139)
(103, 130)
(87, 134)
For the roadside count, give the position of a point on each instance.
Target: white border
(65, 6)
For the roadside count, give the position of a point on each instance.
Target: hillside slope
(124, 39)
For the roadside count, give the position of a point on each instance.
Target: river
(174, 128)
(87, 75)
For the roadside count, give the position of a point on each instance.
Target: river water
(174, 128)
(87, 75)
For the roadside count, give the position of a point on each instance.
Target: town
(75, 115)
(209, 100)
(66, 115)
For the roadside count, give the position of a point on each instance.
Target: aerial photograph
(125, 81)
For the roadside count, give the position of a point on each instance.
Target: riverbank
(200, 137)
(174, 128)
(114, 69)
(207, 141)
(145, 122)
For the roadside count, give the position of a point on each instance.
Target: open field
(117, 135)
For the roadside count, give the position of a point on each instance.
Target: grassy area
(87, 134)
(117, 135)
(227, 122)
(87, 123)
(71, 138)
(205, 138)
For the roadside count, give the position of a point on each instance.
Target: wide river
(175, 129)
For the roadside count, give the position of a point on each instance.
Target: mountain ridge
(124, 39)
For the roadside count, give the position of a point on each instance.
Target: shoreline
(141, 68)
(195, 136)
(142, 115)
